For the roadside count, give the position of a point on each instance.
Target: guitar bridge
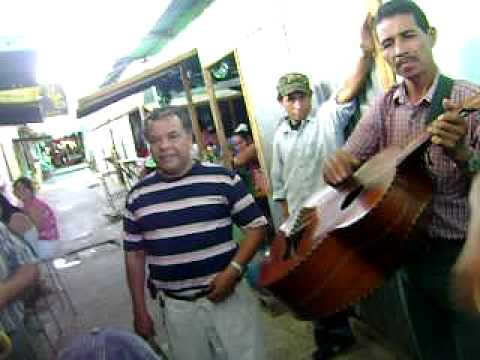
(293, 229)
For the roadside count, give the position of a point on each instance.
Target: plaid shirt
(13, 253)
(393, 120)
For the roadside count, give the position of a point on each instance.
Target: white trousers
(31, 236)
(47, 249)
(202, 330)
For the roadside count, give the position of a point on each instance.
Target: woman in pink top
(42, 216)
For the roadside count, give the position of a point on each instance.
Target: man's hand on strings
(339, 167)
(449, 129)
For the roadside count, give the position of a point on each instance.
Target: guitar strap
(443, 90)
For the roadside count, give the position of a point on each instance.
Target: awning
(20, 114)
(22, 95)
(17, 69)
(20, 106)
(122, 89)
(179, 14)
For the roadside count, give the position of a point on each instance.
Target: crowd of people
(164, 209)
(28, 236)
(179, 218)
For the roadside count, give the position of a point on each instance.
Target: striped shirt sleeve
(132, 233)
(243, 208)
(17, 251)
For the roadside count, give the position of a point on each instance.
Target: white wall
(318, 38)
(315, 37)
(273, 37)
(98, 142)
(458, 42)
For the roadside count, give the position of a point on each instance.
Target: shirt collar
(286, 128)
(400, 94)
(195, 165)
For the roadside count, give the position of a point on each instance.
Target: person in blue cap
(108, 344)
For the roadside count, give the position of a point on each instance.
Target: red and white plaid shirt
(394, 120)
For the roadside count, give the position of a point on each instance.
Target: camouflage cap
(293, 82)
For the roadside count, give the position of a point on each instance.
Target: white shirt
(299, 155)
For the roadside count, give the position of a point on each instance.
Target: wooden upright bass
(346, 241)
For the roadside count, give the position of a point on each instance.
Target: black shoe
(322, 354)
(342, 346)
(328, 352)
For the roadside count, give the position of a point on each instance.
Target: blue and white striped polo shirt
(185, 224)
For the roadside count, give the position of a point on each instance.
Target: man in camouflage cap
(293, 82)
(302, 141)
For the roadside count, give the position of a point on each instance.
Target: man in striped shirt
(406, 39)
(178, 221)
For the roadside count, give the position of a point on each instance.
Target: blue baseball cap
(108, 344)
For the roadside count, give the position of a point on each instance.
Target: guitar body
(354, 240)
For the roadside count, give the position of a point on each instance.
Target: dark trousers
(333, 334)
(440, 330)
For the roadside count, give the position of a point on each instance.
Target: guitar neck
(413, 145)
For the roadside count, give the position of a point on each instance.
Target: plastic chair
(58, 286)
(40, 308)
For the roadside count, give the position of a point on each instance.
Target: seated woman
(42, 216)
(18, 223)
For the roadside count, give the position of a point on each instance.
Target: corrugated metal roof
(178, 15)
(140, 82)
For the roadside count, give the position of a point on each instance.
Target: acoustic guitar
(348, 240)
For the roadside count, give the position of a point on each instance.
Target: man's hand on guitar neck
(339, 167)
(449, 130)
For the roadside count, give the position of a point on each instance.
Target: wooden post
(257, 138)
(217, 118)
(7, 165)
(187, 87)
(384, 71)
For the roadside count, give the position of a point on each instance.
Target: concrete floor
(97, 282)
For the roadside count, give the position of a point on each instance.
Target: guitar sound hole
(351, 197)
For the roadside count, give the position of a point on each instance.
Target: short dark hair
(245, 135)
(395, 7)
(25, 182)
(163, 113)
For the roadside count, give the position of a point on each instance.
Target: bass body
(349, 240)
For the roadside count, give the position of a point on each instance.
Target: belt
(190, 297)
(441, 241)
(428, 244)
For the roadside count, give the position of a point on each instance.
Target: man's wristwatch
(239, 267)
